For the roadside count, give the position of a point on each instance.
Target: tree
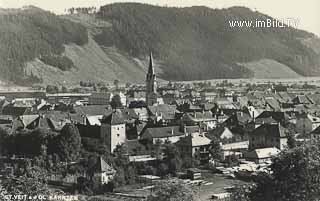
(68, 143)
(173, 190)
(173, 158)
(116, 102)
(295, 176)
(32, 183)
(51, 89)
(241, 193)
(296, 173)
(216, 149)
(292, 142)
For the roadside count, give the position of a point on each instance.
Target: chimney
(185, 129)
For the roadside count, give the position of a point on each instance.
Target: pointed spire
(151, 68)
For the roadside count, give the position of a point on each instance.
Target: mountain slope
(29, 33)
(198, 43)
(270, 69)
(188, 44)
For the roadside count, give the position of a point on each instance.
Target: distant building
(101, 98)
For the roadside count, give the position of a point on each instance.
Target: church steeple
(151, 84)
(151, 67)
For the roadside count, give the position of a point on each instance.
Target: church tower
(151, 84)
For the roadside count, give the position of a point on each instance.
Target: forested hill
(29, 33)
(198, 43)
(187, 43)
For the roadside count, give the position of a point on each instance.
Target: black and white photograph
(159, 100)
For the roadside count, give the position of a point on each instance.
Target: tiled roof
(200, 140)
(264, 153)
(278, 116)
(163, 132)
(92, 110)
(167, 111)
(274, 130)
(115, 118)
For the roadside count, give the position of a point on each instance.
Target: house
(237, 123)
(222, 133)
(208, 96)
(162, 134)
(163, 114)
(305, 123)
(315, 134)
(89, 114)
(262, 155)
(203, 119)
(271, 117)
(100, 98)
(113, 130)
(272, 104)
(268, 135)
(195, 145)
(102, 173)
(301, 99)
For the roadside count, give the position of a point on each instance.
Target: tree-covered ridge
(29, 33)
(198, 43)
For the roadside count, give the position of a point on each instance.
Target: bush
(61, 62)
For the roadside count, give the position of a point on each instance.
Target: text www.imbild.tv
(265, 23)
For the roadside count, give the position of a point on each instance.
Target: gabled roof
(273, 103)
(278, 116)
(316, 130)
(167, 111)
(218, 132)
(200, 140)
(264, 153)
(272, 130)
(243, 117)
(94, 120)
(286, 96)
(314, 97)
(162, 132)
(115, 118)
(28, 119)
(199, 116)
(92, 110)
(102, 166)
(302, 99)
(16, 111)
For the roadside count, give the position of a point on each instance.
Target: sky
(306, 12)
